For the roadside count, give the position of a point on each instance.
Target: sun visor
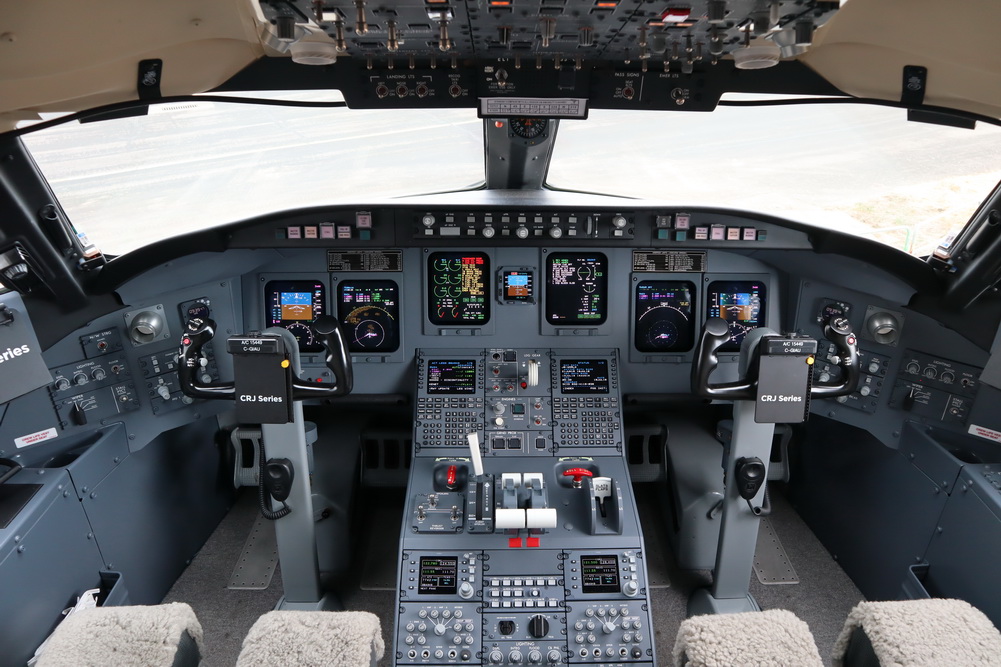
(21, 364)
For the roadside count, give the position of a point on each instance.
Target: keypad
(587, 421)
(445, 421)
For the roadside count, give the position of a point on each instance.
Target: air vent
(882, 326)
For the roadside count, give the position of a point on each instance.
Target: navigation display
(599, 574)
(458, 288)
(577, 288)
(664, 321)
(293, 305)
(741, 303)
(438, 575)
(451, 377)
(369, 312)
(584, 376)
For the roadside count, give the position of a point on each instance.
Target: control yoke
(199, 331)
(717, 332)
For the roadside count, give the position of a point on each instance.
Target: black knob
(538, 627)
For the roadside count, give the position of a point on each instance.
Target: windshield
(131, 181)
(857, 168)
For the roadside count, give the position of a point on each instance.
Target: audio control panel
(521, 543)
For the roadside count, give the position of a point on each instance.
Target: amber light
(498, 124)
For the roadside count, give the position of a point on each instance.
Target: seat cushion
(147, 636)
(918, 633)
(313, 639)
(774, 638)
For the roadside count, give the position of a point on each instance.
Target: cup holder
(64, 459)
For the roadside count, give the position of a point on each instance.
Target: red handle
(578, 473)
(450, 477)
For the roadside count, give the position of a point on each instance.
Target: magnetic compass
(528, 128)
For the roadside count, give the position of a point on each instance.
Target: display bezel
(391, 342)
(435, 587)
(608, 574)
(274, 288)
(686, 339)
(432, 272)
(755, 287)
(556, 294)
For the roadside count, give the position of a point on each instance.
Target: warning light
(186, 341)
(500, 3)
(809, 361)
(607, 4)
(285, 363)
(498, 124)
(524, 385)
(676, 14)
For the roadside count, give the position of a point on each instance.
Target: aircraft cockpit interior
(546, 332)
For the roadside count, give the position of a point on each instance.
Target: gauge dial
(369, 326)
(528, 128)
(664, 321)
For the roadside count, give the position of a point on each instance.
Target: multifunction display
(458, 288)
(369, 312)
(741, 303)
(451, 377)
(517, 286)
(438, 575)
(293, 305)
(664, 321)
(599, 574)
(584, 376)
(577, 288)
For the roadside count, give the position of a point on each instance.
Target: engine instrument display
(741, 303)
(458, 288)
(584, 376)
(369, 312)
(438, 575)
(599, 574)
(293, 305)
(451, 377)
(577, 288)
(664, 321)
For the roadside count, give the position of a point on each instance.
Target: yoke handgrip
(839, 331)
(328, 332)
(715, 333)
(198, 332)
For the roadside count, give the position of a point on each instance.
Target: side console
(527, 550)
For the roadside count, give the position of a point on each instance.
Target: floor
(823, 597)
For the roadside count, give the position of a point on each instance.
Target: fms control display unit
(520, 541)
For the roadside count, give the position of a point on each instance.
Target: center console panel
(539, 558)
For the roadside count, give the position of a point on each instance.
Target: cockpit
(498, 320)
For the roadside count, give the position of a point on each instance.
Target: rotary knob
(865, 390)
(465, 590)
(619, 221)
(98, 374)
(554, 657)
(488, 232)
(534, 657)
(630, 588)
(80, 379)
(515, 657)
(521, 232)
(538, 627)
(555, 232)
(428, 220)
(499, 408)
(495, 657)
(439, 629)
(874, 367)
(62, 384)
(608, 627)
